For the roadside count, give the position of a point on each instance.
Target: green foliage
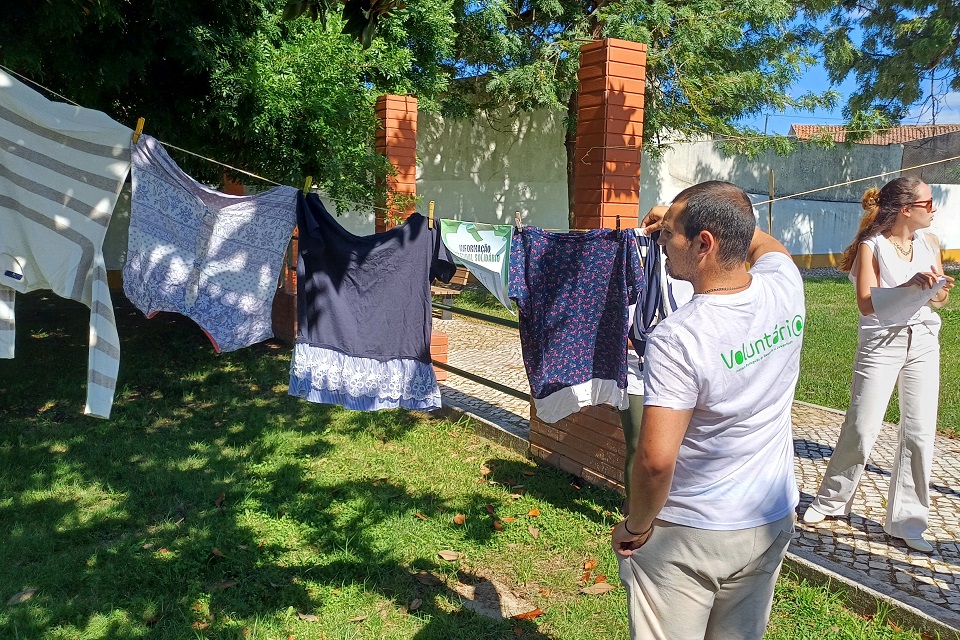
(709, 63)
(231, 80)
(900, 52)
(360, 16)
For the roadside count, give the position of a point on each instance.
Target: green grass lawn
(830, 341)
(213, 505)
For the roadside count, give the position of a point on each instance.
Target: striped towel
(61, 169)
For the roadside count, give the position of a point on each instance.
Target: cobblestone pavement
(857, 543)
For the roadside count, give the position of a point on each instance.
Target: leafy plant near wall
(231, 80)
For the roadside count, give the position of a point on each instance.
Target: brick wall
(589, 444)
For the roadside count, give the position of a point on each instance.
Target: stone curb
(489, 430)
(867, 595)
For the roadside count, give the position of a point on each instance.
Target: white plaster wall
(486, 168)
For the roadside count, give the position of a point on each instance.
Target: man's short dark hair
(724, 210)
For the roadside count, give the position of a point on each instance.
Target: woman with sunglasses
(891, 249)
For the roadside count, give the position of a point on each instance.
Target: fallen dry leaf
(894, 626)
(162, 550)
(508, 519)
(497, 525)
(545, 593)
(459, 518)
(529, 474)
(533, 513)
(598, 588)
(600, 578)
(421, 516)
(216, 552)
(359, 618)
(490, 509)
(23, 596)
(149, 545)
(201, 625)
(427, 578)
(484, 470)
(308, 617)
(529, 615)
(449, 555)
(534, 532)
(219, 501)
(415, 604)
(590, 564)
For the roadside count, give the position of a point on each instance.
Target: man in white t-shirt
(713, 489)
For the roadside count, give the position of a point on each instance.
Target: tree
(710, 63)
(230, 80)
(900, 52)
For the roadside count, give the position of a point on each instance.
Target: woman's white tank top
(894, 272)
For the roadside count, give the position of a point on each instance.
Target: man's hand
(625, 542)
(654, 219)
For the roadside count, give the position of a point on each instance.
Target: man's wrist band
(627, 529)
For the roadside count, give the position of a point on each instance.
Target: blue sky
(816, 80)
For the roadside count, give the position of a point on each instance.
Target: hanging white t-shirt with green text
(484, 249)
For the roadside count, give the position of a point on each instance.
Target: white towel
(61, 170)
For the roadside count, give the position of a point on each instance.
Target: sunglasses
(926, 204)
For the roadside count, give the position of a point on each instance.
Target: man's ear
(707, 242)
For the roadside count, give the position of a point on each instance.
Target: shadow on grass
(205, 494)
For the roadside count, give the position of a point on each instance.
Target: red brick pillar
(397, 141)
(609, 134)
(590, 443)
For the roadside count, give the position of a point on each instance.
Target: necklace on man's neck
(742, 286)
(904, 252)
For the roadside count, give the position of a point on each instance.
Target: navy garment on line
(367, 296)
(572, 291)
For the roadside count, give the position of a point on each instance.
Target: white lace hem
(328, 376)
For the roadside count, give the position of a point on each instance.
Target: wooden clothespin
(307, 184)
(519, 221)
(618, 223)
(430, 215)
(138, 130)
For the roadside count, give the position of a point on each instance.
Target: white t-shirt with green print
(734, 359)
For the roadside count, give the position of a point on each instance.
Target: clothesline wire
(384, 209)
(197, 155)
(854, 181)
(37, 84)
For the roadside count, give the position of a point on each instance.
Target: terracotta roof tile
(894, 135)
